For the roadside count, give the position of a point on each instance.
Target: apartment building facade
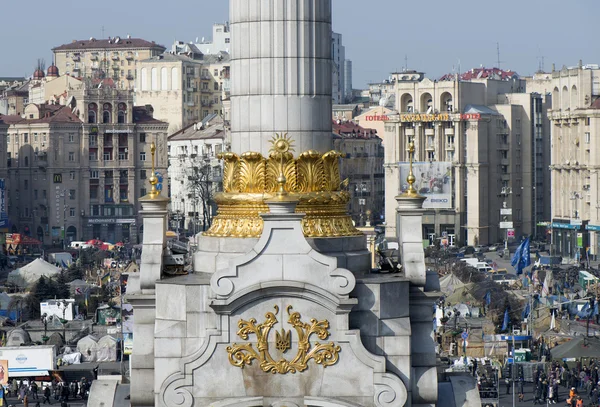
(196, 173)
(362, 164)
(184, 90)
(116, 58)
(480, 141)
(76, 172)
(575, 116)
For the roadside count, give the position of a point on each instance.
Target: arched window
(144, 79)
(174, 79)
(92, 113)
(164, 84)
(122, 114)
(106, 113)
(26, 161)
(154, 79)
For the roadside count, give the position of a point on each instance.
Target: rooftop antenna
(498, 51)
(540, 61)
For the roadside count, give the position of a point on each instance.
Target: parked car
(467, 250)
(495, 247)
(481, 249)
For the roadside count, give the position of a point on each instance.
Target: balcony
(450, 147)
(76, 58)
(205, 77)
(123, 156)
(191, 103)
(130, 77)
(449, 131)
(429, 132)
(430, 147)
(114, 57)
(504, 161)
(192, 89)
(409, 131)
(129, 56)
(94, 57)
(206, 103)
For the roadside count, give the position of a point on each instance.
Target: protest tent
(29, 274)
(88, 347)
(107, 349)
(579, 347)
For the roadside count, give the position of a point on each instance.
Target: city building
(184, 90)
(80, 169)
(52, 87)
(345, 112)
(14, 98)
(220, 41)
(482, 147)
(362, 164)
(171, 84)
(575, 117)
(342, 71)
(196, 173)
(116, 58)
(6, 82)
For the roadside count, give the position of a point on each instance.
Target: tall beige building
(480, 148)
(80, 169)
(575, 119)
(184, 89)
(116, 58)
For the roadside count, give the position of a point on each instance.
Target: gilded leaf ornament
(241, 355)
(252, 170)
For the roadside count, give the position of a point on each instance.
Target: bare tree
(201, 189)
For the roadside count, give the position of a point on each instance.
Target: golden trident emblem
(242, 355)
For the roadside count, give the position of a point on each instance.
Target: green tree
(61, 288)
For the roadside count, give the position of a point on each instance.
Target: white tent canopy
(88, 347)
(449, 283)
(107, 349)
(29, 274)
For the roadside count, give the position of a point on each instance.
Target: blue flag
(505, 323)
(522, 257)
(488, 298)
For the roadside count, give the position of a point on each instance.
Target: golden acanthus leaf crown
(312, 178)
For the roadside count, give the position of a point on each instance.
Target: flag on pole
(506, 319)
(522, 257)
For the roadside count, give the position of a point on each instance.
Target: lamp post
(575, 219)
(505, 193)
(44, 319)
(63, 306)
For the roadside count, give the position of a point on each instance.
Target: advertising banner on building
(433, 181)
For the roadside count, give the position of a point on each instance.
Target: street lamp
(505, 192)
(44, 319)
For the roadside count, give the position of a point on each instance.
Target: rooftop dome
(53, 71)
(38, 74)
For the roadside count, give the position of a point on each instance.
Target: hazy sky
(434, 35)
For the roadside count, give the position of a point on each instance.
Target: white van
(79, 245)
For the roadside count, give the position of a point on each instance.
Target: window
(142, 137)
(26, 212)
(72, 176)
(204, 86)
(72, 194)
(26, 185)
(216, 72)
(94, 174)
(44, 193)
(35, 137)
(94, 192)
(107, 156)
(121, 117)
(216, 86)
(35, 194)
(71, 156)
(72, 212)
(587, 137)
(227, 40)
(71, 138)
(26, 137)
(93, 156)
(142, 156)
(143, 192)
(142, 174)
(106, 117)
(7, 139)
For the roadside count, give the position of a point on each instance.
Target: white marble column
(281, 73)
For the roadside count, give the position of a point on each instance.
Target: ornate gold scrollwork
(242, 355)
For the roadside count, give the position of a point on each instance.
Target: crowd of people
(29, 391)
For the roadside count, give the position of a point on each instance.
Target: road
(506, 400)
(13, 401)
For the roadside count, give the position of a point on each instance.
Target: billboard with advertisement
(3, 372)
(433, 181)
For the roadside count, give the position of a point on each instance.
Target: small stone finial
(411, 192)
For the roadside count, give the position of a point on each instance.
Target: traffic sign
(465, 335)
(510, 233)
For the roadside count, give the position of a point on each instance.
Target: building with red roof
(81, 167)
(362, 165)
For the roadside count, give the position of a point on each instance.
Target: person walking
(47, 394)
(521, 389)
(34, 390)
(507, 382)
(26, 401)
